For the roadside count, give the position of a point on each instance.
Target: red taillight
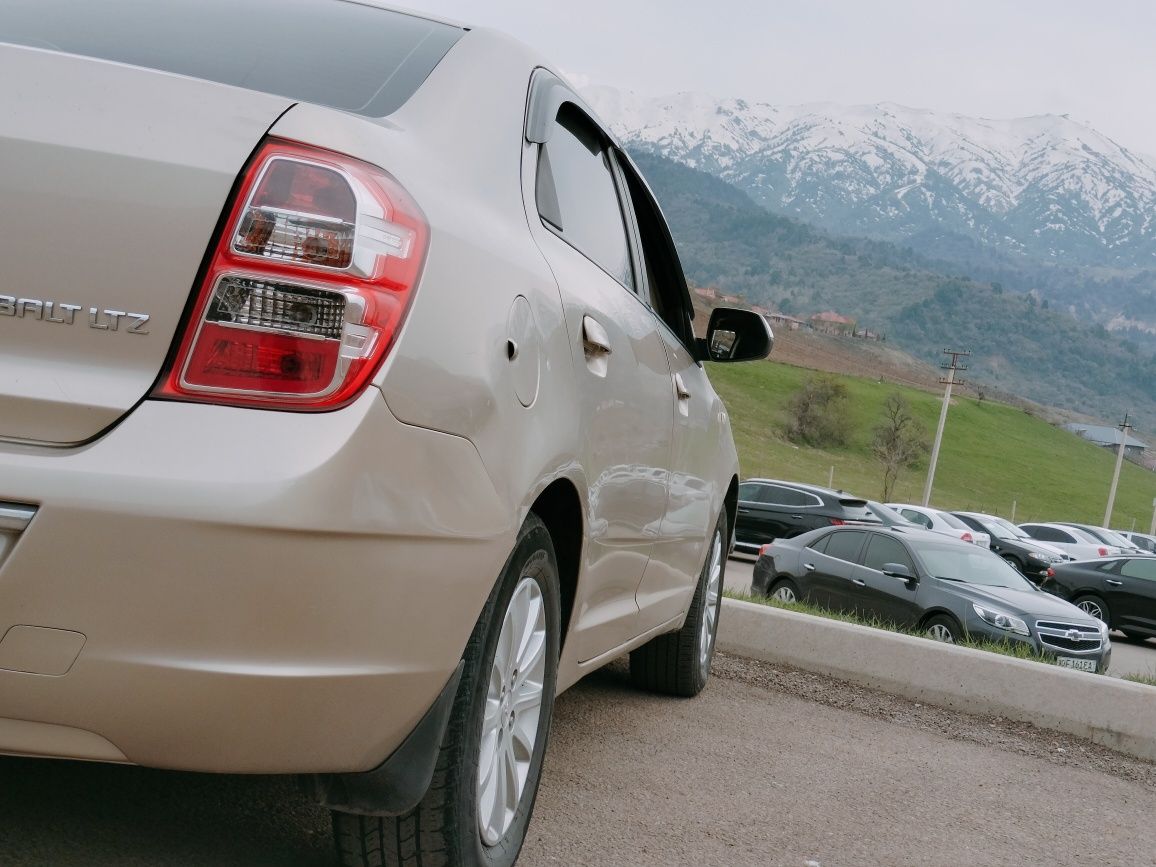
(967, 537)
(1103, 551)
(307, 286)
(765, 549)
(838, 522)
(1051, 572)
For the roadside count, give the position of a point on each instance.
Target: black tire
(444, 830)
(678, 663)
(785, 590)
(1095, 606)
(1014, 563)
(933, 626)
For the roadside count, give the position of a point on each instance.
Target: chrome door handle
(595, 340)
(809, 567)
(858, 582)
(680, 388)
(1112, 583)
(797, 517)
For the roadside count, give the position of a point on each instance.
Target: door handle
(858, 582)
(595, 340)
(680, 387)
(797, 517)
(744, 511)
(1112, 583)
(810, 567)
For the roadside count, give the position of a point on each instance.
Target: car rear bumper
(232, 590)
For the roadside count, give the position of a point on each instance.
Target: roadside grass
(992, 453)
(1016, 650)
(1146, 679)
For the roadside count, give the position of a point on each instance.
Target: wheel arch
(560, 509)
(939, 611)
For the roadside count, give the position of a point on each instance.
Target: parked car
(1120, 591)
(1074, 542)
(888, 516)
(924, 581)
(770, 509)
(1109, 537)
(1014, 545)
(942, 522)
(351, 409)
(1141, 540)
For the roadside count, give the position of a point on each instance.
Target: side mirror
(736, 335)
(899, 570)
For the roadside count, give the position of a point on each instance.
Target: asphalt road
(1128, 656)
(768, 766)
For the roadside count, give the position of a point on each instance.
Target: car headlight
(1001, 620)
(1037, 556)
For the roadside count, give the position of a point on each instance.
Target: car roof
(803, 486)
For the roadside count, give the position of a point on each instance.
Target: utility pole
(948, 381)
(1124, 426)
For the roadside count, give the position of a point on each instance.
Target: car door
(694, 482)
(623, 380)
(827, 578)
(884, 596)
(1131, 594)
(747, 531)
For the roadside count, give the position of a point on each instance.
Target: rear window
(336, 53)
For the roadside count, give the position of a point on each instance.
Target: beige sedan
(351, 409)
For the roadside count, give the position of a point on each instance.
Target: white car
(942, 522)
(1141, 540)
(1076, 543)
(1108, 537)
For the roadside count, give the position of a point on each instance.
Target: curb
(1107, 711)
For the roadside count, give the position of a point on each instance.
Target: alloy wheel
(940, 632)
(1091, 606)
(784, 594)
(710, 613)
(513, 709)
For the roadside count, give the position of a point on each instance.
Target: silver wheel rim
(1090, 607)
(784, 594)
(710, 614)
(513, 709)
(941, 633)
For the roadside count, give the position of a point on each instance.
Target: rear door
(883, 596)
(830, 570)
(1131, 594)
(623, 380)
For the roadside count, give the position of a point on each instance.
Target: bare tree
(819, 412)
(899, 442)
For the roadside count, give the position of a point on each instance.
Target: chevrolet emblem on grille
(1073, 635)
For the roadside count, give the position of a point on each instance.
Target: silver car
(351, 409)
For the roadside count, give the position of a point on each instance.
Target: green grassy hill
(992, 454)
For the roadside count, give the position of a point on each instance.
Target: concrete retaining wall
(1108, 711)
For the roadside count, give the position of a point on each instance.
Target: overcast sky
(1095, 61)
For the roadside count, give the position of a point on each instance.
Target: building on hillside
(706, 292)
(830, 322)
(790, 323)
(1109, 438)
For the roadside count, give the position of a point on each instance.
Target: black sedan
(1120, 591)
(1014, 545)
(771, 509)
(922, 581)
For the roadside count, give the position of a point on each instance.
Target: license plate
(1080, 664)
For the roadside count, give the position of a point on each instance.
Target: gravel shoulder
(776, 766)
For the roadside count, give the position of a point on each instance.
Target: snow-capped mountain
(1047, 186)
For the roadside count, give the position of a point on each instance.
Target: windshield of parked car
(345, 55)
(952, 521)
(1002, 529)
(1114, 538)
(969, 564)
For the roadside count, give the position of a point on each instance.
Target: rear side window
(820, 544)
(916, 517)
(792, 497)
(749, 493)
(577, 195)
(1143, 569)
(1049, 534)
(845, 545)
(883, 549)
(348, 56)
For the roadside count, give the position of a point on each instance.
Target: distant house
(1108, 437)
(830, 322)
(705, 292)
(784, 321)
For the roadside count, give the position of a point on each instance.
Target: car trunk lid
(113, 179)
